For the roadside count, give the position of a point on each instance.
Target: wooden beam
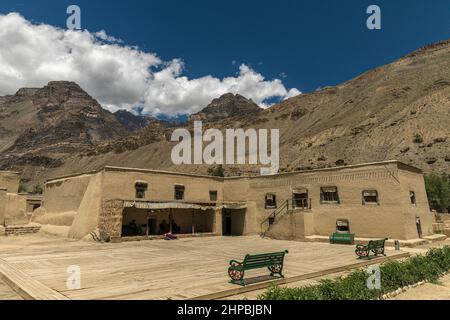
(170, 220)
(193, 221)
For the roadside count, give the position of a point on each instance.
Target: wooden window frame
(322, 194)
(267, 206)
(177, 188)
(370, 203)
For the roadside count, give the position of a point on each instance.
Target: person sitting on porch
(131, 229)
(164, 227)
(175, 227)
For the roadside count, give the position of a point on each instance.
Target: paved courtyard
(158, 269)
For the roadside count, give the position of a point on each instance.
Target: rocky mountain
(397, 111)
(133, 122)
(41, 126)
(227, 106)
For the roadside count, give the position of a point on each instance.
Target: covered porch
(141, 220)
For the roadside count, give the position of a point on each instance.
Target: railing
(288, 205)
(302, 204)
(280, 210)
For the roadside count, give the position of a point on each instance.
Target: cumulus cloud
(172, 93)
(107, 38)
(118, 75)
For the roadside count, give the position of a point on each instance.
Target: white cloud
(119, 76)
(107, 38)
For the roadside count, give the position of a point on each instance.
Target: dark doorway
(233, 222)
(227, 225)
(419, 227)
(152, 226)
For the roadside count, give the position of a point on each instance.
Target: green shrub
(22, 187)
(394, 275)
(37, 189)
(418, 138)
(438, 192)
(217, 171)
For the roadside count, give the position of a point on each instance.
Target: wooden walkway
(27, 287)
(7, 293)
(158, 269)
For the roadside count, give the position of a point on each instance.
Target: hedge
(394, 275)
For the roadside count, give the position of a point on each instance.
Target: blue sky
(305, 44)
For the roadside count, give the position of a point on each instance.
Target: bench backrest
(264, 260)
(375, 244)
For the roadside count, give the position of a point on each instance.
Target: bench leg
(363, 253)
(377, 252)
(237, 276)
(239, 282)
(276, 270)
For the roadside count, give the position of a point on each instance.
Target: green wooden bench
(342, 238)
(374, 246)
(273, 261)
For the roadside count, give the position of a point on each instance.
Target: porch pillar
(2, 207)
(170, 220)
(148, 217)
(193, 221)
(218, 222)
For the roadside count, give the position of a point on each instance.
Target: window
(343, 226)
(370, 197)
(300, 199)
(329, 195)
(141, 188)
(179, 192)
(213, 195)
(32, 205)
(412, 196)
(270, 201)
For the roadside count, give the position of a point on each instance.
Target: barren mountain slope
(374, 117)
(227, 106)
(41, 127)
(398, 111)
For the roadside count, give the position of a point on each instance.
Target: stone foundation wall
(110, 220)
(21, 230)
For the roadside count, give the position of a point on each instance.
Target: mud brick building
(374, 200)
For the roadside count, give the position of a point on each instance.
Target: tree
(22, 187)
(438, 191)
(37, 189)
(217, 171)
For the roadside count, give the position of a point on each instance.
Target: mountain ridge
(397, 111)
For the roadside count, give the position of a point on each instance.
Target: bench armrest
(235, 263)
(362, 246)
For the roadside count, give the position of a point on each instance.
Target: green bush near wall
(438, 191)
(394, 275)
